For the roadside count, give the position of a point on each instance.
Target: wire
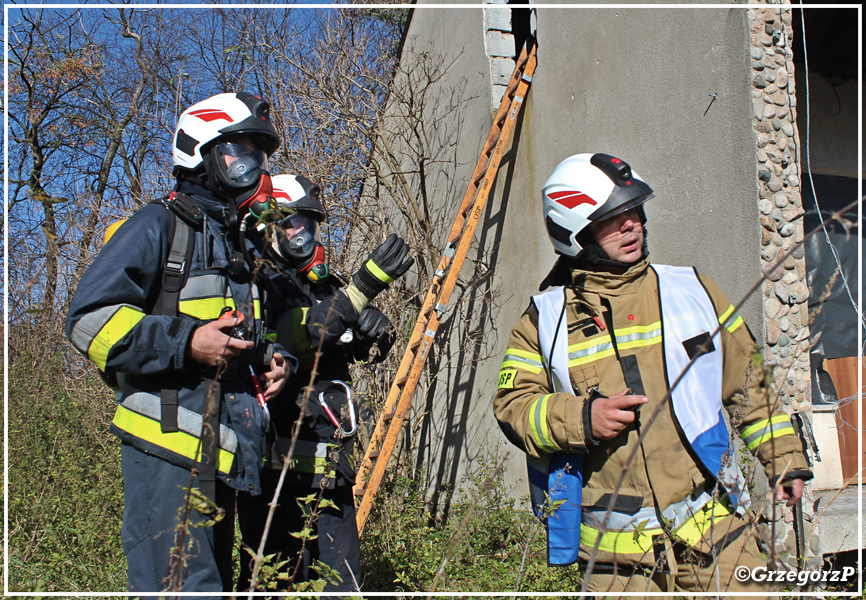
(809, 173)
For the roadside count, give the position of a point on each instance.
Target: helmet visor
(299, 235)
(243, 164)
(601, 214)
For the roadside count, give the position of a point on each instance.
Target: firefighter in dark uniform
(149, 316)
(320, 315)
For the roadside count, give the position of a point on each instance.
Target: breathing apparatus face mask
(240, 165)
(299, 242)
(238, 172)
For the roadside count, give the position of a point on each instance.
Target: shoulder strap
(175, 272)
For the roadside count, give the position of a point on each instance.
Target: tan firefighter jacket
(664, 488)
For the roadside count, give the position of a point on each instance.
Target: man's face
(621, 236)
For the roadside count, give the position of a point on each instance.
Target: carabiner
(351, 404)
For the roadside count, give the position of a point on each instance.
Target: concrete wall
(632, 82)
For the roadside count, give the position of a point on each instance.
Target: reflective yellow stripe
(730, 319)
(257, 309)
(520, 365)
(112, 332)
(178, 442)
(597, 341)
(764, 431)
(306, 464)
(639, 336)
(521, 359)
(641, 343)
(694, 529)
(619, 542)
(591, 358)
(300, 339)
(524, 354)
(631, 542)
(789, 430)
(589, 351)
(639, 329)
(756, 427)
(538, 424)
(205, 309)
(378, 273)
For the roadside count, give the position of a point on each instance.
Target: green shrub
(403, 544)
(65, 487)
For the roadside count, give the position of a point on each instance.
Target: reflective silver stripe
(639, 336)
(621, 521)
(770, 430)
(608, 345)
(679, 512)
(89, 326)
(205, 286)
(674, 515)
(187, 421)
(302, 448)
(521, 359)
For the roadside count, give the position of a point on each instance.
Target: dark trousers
(336, 545)
(153, 497)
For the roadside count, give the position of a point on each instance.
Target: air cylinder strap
(175, 273)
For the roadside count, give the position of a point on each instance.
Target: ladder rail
(398, 401)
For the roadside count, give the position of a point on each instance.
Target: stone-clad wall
(786, 292)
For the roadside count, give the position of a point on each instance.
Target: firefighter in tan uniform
(638, 478)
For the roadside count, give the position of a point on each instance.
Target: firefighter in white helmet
(147, 313)
(328, 324)
(585, 391)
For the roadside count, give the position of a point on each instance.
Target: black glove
(386, 263)
(375, 328)
(372, 323)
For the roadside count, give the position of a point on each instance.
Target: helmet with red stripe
(204, 124)
(298, 239)
(585, 188)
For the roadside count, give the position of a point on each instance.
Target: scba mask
(238, 171)
(242, 164)
(299, 242)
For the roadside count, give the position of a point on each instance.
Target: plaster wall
(632, 82)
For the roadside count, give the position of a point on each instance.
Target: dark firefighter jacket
(313, 318)
(109, 323)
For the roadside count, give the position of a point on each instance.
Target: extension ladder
(387, 430)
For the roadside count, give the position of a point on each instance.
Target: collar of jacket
(205, 198)
(610, 284)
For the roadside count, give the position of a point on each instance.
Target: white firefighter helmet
(585, 188)
(296, 193)
(204, 123)
(297, 242)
